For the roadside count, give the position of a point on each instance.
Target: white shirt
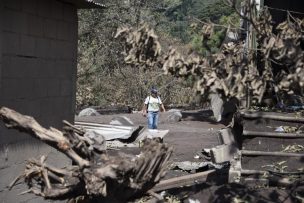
(153, 103)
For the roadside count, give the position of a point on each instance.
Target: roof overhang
(278, 9)
(86, 3)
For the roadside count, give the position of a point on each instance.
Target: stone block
(73, 31)
(69, 111)
(223, 153)
(16, 88)
(43, 46)
(234, 176)
(19, 67)
(174, 116)
(9, 88)
(53, 87)
(69, 13)
(65, 69)
(63, 30)
(226, 137)
(49, 68)
(70, 50)
(12, 4)
(11, 43)
(41, 69)
(12, 67)
(50, 28)
(39, 89)
(57, 10)
(5, 61)
(35, 25)
(66, 88)
(25, 88)
(55, 50)
(53, 106)
(34, 107)
(66, 50)
(15, 21)
(217, 106)
(30, 6)
(27, 45)
(33, 67)
(44, 8)
(53, 120)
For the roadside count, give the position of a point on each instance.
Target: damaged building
(38, 66)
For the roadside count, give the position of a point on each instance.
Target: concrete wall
(38, 59)
(1, 44)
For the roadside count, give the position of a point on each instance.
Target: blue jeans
(153, 119)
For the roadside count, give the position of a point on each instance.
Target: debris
(290, 129)
(175, 115)
(193, 200)
(190, 166)
(95, 174)
(293, 148)
(279, 129)
(121, 120)
(88, 112)
(110, 132)
(152, 133)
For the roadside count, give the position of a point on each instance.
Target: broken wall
(38, 60)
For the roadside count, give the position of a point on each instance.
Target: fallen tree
(95, 176)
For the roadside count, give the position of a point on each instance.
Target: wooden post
(272, 134)
(262, 153)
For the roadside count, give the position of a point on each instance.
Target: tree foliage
(232, 71)
(103, 76)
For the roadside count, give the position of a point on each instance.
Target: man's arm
(145, 106)
(162, 108)
(144, 110)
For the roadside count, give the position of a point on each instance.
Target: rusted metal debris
(95, 175)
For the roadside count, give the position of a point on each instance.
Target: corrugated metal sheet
(109, 132)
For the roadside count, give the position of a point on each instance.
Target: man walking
(152, 106)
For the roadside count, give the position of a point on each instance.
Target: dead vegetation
(94, 176)
(276, 64)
